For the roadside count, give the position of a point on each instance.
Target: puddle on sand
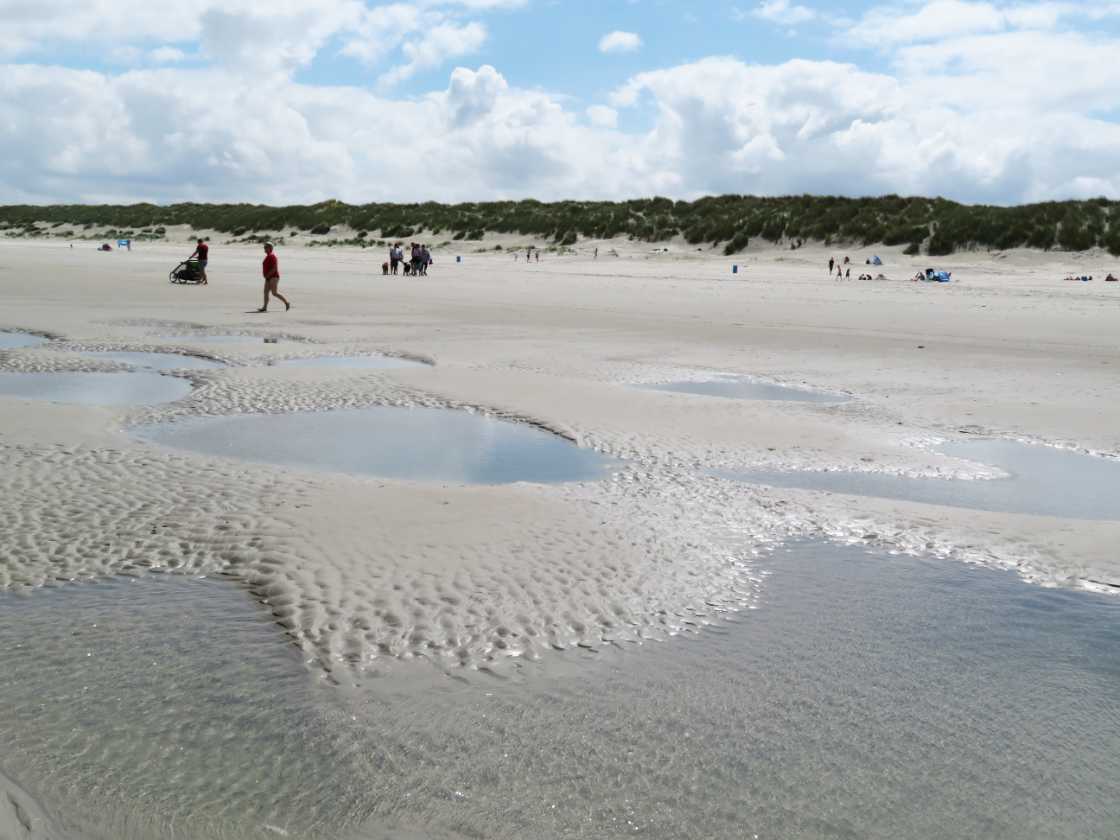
(15, 340)
(866, 696)
(367, 362)
(418, 444)
(739, 388)
(155, 361)
(165, 707)
(95, 388)
(1044, 481)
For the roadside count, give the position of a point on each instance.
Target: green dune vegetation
(933, 226)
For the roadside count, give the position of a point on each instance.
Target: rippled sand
(360, 573)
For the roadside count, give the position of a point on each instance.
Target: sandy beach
(361, 572)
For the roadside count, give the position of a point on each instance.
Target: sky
(297, 101)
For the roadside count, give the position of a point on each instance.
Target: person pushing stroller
(202, 252)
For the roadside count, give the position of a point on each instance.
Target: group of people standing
(417, 261)
(840, 268)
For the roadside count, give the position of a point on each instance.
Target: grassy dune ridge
(934, 226)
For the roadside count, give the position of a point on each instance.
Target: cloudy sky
(301, 100)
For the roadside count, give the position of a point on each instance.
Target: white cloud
(434, 46)
(166, 55)
(998, 107)
(620, 42)
(148, 134)
(248, 36)
(784, 13)
(602, 116)
(937, 20)
(820, 127)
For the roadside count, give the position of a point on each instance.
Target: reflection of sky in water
(407, 443)
(376, 362)
(154, 361)
(1044, 481)
(867, 696)
(15, 340)
(95, 388)
(737, 388)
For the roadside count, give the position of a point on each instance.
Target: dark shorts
(202, 263)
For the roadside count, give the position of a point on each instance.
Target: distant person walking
(271, 270)
(203, 254)
(848, 274)
(425, 259)
(831, 265)
(394, 258)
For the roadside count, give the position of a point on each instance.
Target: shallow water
(1043, 481)
(165, 707)
(866, 697)
(375, 362)
(422, 444)
(16, 340)
(155, 361)
(95, 388)
(739, 388)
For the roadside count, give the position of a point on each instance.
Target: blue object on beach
(734, 269)
(458, 259)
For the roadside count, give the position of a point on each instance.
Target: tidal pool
(740, 388)
(421, 444)
(1043, 481)
(155, 361)
(371, 362)
(11, 340)
(140, 388)
(865, 696)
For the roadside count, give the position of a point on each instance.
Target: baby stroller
(188, 272)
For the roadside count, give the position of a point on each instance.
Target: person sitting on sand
(1110, 278)
(271, 270)
(203, 254)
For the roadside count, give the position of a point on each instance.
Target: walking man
(271, 270)
(203, 254)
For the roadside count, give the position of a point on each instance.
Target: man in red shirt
(203, 254)
(271, 270)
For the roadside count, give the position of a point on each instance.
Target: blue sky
(296, 100)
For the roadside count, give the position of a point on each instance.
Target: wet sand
(359, 573)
